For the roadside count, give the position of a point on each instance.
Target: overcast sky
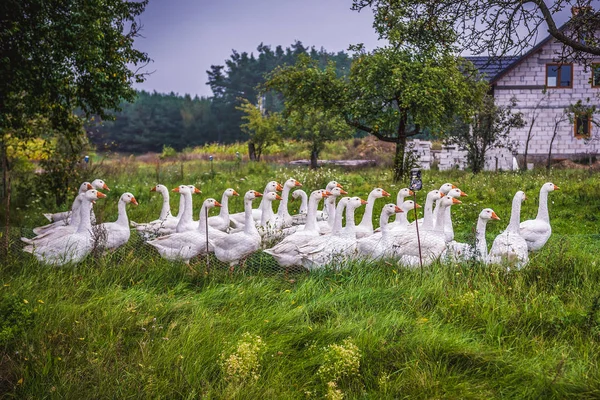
(186, 37)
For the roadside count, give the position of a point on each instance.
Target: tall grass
(131, 325)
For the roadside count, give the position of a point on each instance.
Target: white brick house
(543, 90)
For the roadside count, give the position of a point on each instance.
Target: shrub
(243, 365)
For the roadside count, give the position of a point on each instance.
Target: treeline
(156, 119)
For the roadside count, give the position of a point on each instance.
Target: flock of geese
(312, 238)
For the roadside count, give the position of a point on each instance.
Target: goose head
(273, 186)
(446, 187)
(291, 183)
(390, 209)
(355, 202)
(128, 198)
(231, 192)
(159, 188)
(84, 187)
(409, 205)
(211, 203)
(194, 189)
(487, 214)
(337, 191)
(182, 189)
(319, 194)
(296, 194)
(405, 192)
(448, 201)
(272, 196)
(456, 193)
(92, 195)
(549, 187)
(332, 185)
(99, 184)
(379, 193)
(252, 194)
(434, 195)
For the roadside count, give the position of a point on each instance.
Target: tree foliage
(263, 128)
(488, 129)
(495, 27)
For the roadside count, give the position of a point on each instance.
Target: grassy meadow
(131, 325)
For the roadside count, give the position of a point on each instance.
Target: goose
(186, 245)
(268, 217)
(401, 223)
(60, 216)
(286, 251)
(457, 252)
(338, 247)
(300, 218)
(444, 189)
(365, 228)
(231, 248)
(433, 243)
(112, 235)
(536, 232)
(237, 219)
(186, 221)
(74, 247)
(326, 227)
(322, 215)
(427, 221)
(221, 222)
(168, 225)
(284, 219)
(509, 246)
(376, 245)
(165, 212)
(448, 227)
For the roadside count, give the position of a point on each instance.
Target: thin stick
(418, 238)
(207, 255)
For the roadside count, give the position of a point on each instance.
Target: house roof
(495, 68)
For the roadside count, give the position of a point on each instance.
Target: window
(596, 75)
(559, 75)
(583, 126)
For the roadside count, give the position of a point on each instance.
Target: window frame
(558, 76)
(576, 134)
(594, 67)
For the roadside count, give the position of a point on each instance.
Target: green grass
(130, 325)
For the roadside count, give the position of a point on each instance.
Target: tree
(390, 93)
(58, 56)
(495, 27)
(263, 128)
(488, 129)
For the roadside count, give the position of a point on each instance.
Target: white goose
(536, 232)
(458, 252)
(365, 228)
(221, 222)
(186, 245)
(432, 240)
(303, 200)
(236, 246)
(322, 214)
(326, 227)
(237, 219)
(444, 189)
(165, 212)
(401, 223)
(335, 248)
(268, 217)
(284, 219)
(509, 246)
(376, 246)
(427, 222)
(186, 221)
(74, 247)
(60, 216)
(448, 227)
(64, 218)
(286, 251)
(115, 234)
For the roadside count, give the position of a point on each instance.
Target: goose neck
(187, 207)
(181, 206)
(85, 222)
(166, 207)
(367, 219)
(202, 218)
(439, 223)
(311, 215)
(515, 215)
(337, 223)
(250, 226)
(543, 207)
(224, 211)
(331, 211)
(428, 214)
(122, 218)
(282, 211)
(480, 242)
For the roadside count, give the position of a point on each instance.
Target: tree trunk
(399, 159)
(7, 194)
(314, 158)
(252, 151)
(549, 159)
(529, 136)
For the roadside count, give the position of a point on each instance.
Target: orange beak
(463, 194)
(386, 194)
(89, 186)
(279, 187)
(342, 191)
(105, 187)
(340, 186)
(453, 186)
(257, 194)
(217, 204)
(235, 193)
(441, 195)
(296, 183)
(556, 187)
(197, 191)
(417, 206)
(153, 189)
(456, 201)
(398, 209)
(101, 195)
(326, 194)
(134, 201)
(411, 193)
(363, 202)
(494, 216)
(278, 197)
(176, 190)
